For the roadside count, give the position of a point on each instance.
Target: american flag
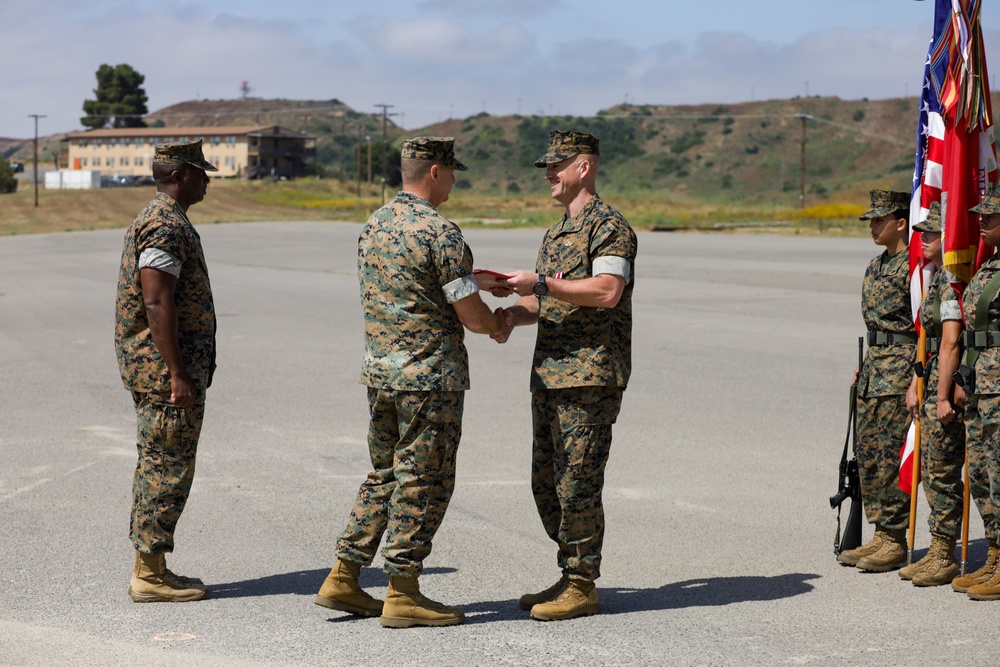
(955, 156)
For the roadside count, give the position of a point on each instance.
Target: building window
(214, 140)
(124, 161)
(82, 143)
(109, 162)
(83, 162)
(126, 141)
(97, 142)
(153, 141)
(139, 161)
(111, 141)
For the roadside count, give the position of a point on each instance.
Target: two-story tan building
(241, 152)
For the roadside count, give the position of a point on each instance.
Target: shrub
(8, 183)
(686, 141)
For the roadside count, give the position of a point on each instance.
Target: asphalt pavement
(719, 537)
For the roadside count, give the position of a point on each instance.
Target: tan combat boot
(942, 568)
(891, 555)
(405, 606)
(340, 591)
(852, 556)
(186, 582)
(531, 599)
(908, 571)
(963, 584)
(988, 590)
(578, 598)
(152, 582)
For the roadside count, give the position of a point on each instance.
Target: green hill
(748, 152)
(716, 154)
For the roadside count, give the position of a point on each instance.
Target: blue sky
(435, 59)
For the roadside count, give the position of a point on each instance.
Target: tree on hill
(8, 183)
(121, 99)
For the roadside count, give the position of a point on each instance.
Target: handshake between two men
(528, 285)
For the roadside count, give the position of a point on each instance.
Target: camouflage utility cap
(564, 145)
(991, 201)
(183, 154)
(885, 202)
(933, 221)
(436, 149)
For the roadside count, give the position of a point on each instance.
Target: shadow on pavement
(710, 592)
(304, 582)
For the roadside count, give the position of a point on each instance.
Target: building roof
(199, 131)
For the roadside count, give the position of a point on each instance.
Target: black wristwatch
(541, 289)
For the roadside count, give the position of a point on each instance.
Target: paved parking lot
(719, 541)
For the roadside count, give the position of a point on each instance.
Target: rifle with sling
(850, 480)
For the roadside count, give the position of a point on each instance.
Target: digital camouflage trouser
(167, 441)
(412, 441)
(982, 435)
(571, 443)
(882, 423)
(942, 456)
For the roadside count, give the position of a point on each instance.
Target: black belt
(876, 338)
(980, 339)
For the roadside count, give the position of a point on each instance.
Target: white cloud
(445, 41)
(480, 8)
(430, 67)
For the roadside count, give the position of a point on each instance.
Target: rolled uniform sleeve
(455, 266)
(154, 258)
(615, 266)
(951, 310)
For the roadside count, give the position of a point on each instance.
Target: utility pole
(802, 160)
(357, 172)
(368, 142)
(385, 146)
(35, 168)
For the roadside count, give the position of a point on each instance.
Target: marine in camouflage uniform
(942, 428)
(942, 446)
(883, 379)
(580, 369)
(162, 250)
(415, 271)
(982, 422)
(413, 264)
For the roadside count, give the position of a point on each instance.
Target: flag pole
(915, 475)
(965, 514)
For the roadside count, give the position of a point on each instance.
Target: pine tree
(121, 99)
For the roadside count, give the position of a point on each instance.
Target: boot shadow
(303, 582)
(709, 592)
